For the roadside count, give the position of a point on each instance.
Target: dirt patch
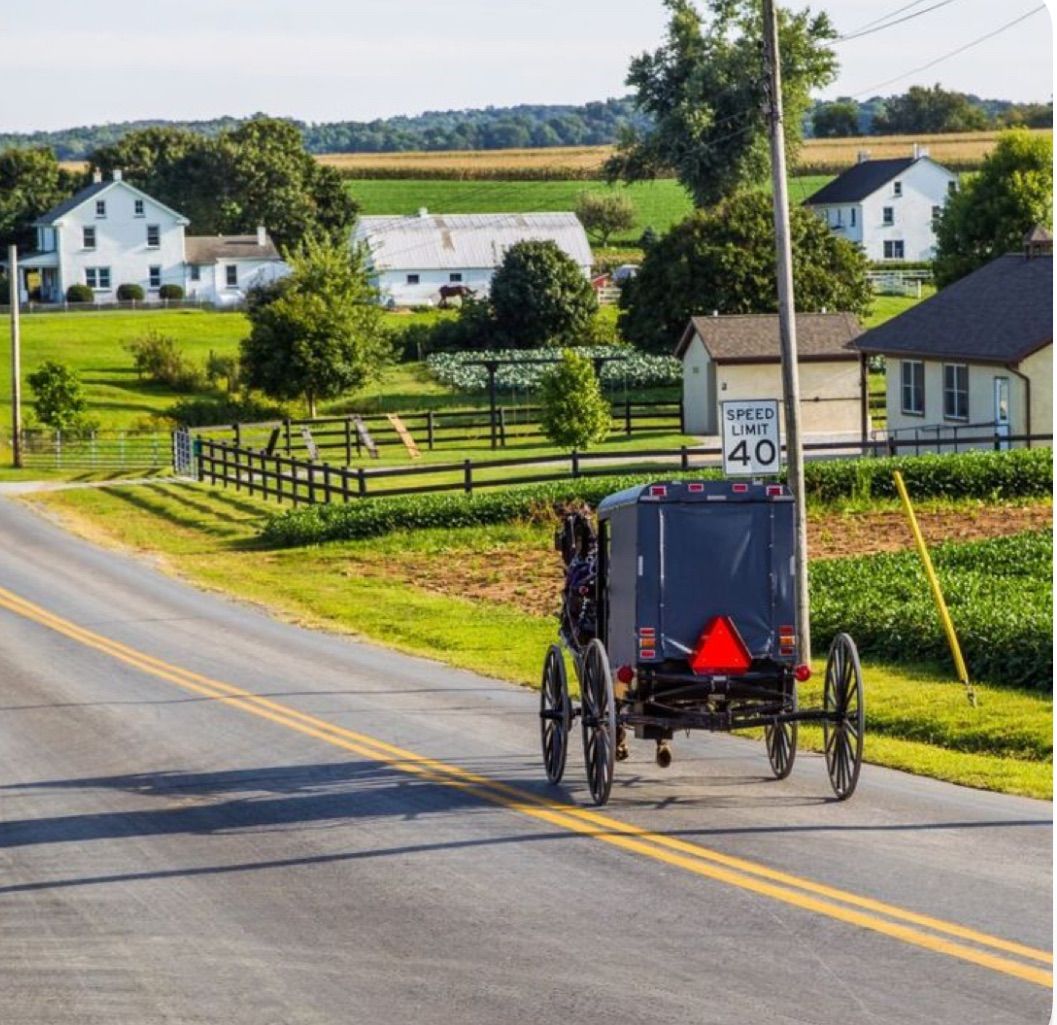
(529, 577)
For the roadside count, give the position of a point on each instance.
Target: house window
(936, 211)
(897, 188)
(100, 208)
(894, 249)
(412, 279)
(89, 238)
(888, 215)
(155, 276)
(231, 275)
(137, 207)
(955, 391)
(952, 188)
(153, 236)
(912, 381)
(196, 272)
(97, 277)
(839, 218)
(851, 217)
(455, 278)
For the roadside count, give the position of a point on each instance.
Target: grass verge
(917, 721)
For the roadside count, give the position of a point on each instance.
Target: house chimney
(920, 151)
(116, 174)
(262, 235)
(862, 156)
(97, 177)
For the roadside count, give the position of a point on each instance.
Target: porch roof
(35, 261)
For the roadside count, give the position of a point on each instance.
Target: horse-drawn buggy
(679, 614)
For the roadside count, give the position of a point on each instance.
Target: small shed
(739, 357)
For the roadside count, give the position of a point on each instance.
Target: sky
(66, 62)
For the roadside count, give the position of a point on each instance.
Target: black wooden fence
(289, 478)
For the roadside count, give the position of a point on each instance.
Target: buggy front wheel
(781, 747)
(555, 714)
(843, 726)
(599, 720)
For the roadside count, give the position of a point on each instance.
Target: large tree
(257, 173)
(541, 297)
(995, 209)
(317, 333)
(921, 109)
(31, 182)
(723, 260)
(704, 90)
(839, 119)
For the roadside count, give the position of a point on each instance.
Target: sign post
(752, 444)
(16, 359)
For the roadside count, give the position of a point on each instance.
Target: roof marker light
(658, 491)
(695, 488)
(739, 489)
(774, 490)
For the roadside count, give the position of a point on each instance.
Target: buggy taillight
(802, 673)
(625, 674)
(658, 491)
(774, 490)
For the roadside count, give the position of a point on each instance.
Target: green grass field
(916, 720)
(658, 204)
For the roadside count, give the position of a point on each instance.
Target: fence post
(627, 417)
(429, 429)
(249, 470)
(286, 433)
(326, 483)
(237, 429)
(361, 482)
(295, 481)
(348, 440)
(682, 416)
(467, 476)
(278, 477)
(264, 476)
(684, 458)
(891, 445)
(224, 463)
(576, 463)
(998, 445)
(311, 482)
(345, 485)
(502, 426)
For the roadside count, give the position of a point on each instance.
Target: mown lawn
(917, 719)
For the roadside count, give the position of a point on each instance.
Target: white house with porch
(887, 207)
(111, 233)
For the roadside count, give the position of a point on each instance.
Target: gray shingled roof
(49, 217)
(204, 249)
(753, 338)
(860, 181)
(1001, 313)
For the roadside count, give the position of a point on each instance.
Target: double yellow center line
(1000, 955)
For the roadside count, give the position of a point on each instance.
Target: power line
(952, 53)
(889, 24)
(885, 17)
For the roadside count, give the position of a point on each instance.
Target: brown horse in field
(459, 292)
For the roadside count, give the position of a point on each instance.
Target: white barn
(888, 207)
(111, 234)
(410, 258)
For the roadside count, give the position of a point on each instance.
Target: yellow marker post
(937, 592)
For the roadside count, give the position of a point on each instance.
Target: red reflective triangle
(720, 649)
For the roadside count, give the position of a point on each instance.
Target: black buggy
(679, 614)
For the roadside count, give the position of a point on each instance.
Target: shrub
(573, 413)
(171, 292)
(58, 398)
(130, 292)
(227, 368)
(604, 213)
(210, 412)
(157, 357)
(80, 294)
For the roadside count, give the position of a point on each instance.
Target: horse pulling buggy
(679, 614)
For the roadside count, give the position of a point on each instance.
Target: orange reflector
(720, 649)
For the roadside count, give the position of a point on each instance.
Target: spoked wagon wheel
(843, 700)
(781, 745)
(599, 720)
(555, 714)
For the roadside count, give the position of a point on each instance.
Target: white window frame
(888, 215)
(97, 278)
(897, 188)
(414, 279)
(100, 208)
(88, 231)
(154, 276)
(196, 272)
(156, 228)
(137, 208)
(911, 386)
(231, 275)
(851, 216)
(956, 392)
(455, 278)
(889, 249)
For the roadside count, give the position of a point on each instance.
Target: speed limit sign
(751, 443)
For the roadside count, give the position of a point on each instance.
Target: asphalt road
(207, 816)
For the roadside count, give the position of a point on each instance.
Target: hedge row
(999, 594)
(984, 475)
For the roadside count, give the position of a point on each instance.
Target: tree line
(539, 126)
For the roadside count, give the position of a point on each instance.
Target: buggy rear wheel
(555, 714)
(599, 720)
(842, 700)
(781, 747)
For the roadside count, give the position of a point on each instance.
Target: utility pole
(16, 359)
(787, 324)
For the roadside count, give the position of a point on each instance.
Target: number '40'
(763, 454)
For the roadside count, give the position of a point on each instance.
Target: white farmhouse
(111, 234)
(888, 207)
(411, 258)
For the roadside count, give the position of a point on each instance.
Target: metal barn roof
(461, 241)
